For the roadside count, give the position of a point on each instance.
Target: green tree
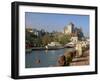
(46, 39)
(64, 39)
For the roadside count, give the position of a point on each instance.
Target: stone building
(74, 39)
(69, 28)
(75, 32)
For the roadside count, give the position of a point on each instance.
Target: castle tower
(69, 28)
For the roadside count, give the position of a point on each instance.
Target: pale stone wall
(79, 49)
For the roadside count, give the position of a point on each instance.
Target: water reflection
(43, 58)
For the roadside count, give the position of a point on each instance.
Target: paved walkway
(83, 60)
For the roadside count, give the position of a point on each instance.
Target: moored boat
(28, 50)
(69, 45)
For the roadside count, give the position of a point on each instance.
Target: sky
(56, 22)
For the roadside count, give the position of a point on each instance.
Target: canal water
(43, 58)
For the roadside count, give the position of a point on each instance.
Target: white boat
(28, 50)
(70, 45)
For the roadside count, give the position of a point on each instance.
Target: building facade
(75, 32)
(69, 28)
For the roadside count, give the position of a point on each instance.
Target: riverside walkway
(83, 60)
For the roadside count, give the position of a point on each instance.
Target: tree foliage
(45, 39)
(64, 39)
